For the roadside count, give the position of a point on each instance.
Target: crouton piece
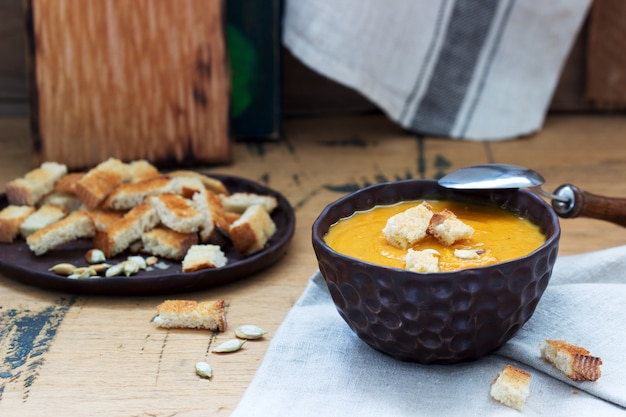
(99, 181)
(511, 387)
(142, 170)
(104, 218)
(167, 243)
(28, 190)
(68, 201)
(239, 202)
(45, 215)
(76, 225)
(422, 260)
(209, 315)
(447, 228)
(117, 237)
(131, 194)
(250, 232)
(204, 257)
(210, 205)
(405, 229)
(66, 183)
(210, 183)
(11, 218)
(575, 362)
(186, 186)
(176, 212)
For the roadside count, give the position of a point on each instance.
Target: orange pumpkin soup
(498, 236)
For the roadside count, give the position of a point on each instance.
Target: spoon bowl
(496, 176)
(568, 201)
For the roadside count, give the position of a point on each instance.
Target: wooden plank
(131, 79)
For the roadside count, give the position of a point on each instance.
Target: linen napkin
(316, 366)
(465, 69)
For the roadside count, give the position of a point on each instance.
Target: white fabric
(316, 366)
(465, 69)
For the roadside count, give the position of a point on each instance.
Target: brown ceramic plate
(19, 263)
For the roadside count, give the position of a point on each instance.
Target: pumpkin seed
(468, 253)
(249, 331)
(82, 272)
(130, 267)
(63, 269)
(204, 370)
(232, 345)
(115, 270)
(100, 268)
(139, 260)
(95, 256)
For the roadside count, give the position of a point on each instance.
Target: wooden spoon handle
(584, 204)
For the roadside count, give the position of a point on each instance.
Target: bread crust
(128, 195)
(176, 212)
(29, 189)
(573, 361)
(209, 315)
(167, 243)
(76, 225)
(252, 230)
(67, 183)
(203, 257)
(511, 387)
(11, 218)
(117, 237)
(45, 215)
(98, 182)
(210, 183)
(447, 228)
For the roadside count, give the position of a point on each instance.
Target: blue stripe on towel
(467, 30)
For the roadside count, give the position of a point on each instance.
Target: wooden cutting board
(131, 79)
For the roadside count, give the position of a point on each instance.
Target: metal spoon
(568, 200)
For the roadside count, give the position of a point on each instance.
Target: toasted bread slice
(28, 190)
(204, 257)
(167, 243)
(575, 362)
(99, 181)
(117, 237)
(405, 229)
(250, 232)
(187, 186)
(66, 183)
(69, 201)
(11, 218)
(447, 228)
(76, 225)
(210, 205)
(131, 194)
(45, 215)
(239, 202)
(141, 170)
(422, 261)
(104, 218)
(209, 315)
(210, 183)
(511, 387)
(177, 212)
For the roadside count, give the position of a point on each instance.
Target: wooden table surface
(65, 354)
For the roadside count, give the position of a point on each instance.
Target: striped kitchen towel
(463, 69)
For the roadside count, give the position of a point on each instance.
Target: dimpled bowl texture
(444, 317)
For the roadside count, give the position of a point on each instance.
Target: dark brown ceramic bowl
(443, 317)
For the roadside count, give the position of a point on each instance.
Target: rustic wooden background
(303, 91)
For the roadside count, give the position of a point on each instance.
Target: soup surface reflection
(498, 236)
